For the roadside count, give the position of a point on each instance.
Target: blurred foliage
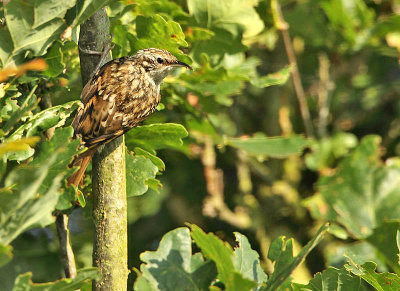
(226, 149)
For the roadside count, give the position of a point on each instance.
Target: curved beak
(182, 64)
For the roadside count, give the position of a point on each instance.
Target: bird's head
(158, 63)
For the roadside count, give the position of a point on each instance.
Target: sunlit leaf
(380, 281)
(332, 279)
(157, 32)
(24, 282)
(173, 267)
(281, 252)
(85, 9)
(277, 78)
(23, 144)
(221, 254)
(45, 119)
(5, 254)
(247, 261)
(164, 7)
(229, 21)
(156, 136)
(139, 170)
(27, 105)
(154, 159)
(31, 27)
(54, 60)
(228, 15)
(62, 144)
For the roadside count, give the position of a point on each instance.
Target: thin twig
(283, 26)
(323, 91)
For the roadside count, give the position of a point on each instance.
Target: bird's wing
(99, 121)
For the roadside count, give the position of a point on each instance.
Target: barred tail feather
(81, 161)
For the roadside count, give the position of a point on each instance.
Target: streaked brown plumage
(120, 95)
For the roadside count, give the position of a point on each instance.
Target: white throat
(158, 75)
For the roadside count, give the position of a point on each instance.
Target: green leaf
(156, 136)
(277, 147)
(281, 252)
(139, 170)
(26, 106)
(173, 267)
(155, 31)
(221, 254)
(214, 85)
(326, 151)
(153, 158)
(54, 60)
(278, 78)
(8, 104)
(230, 15)
(247, 261)
(31, 27)
(229, 21)
(85, 9)
(23, 144)
(166, 8)
(31, 191)
(380, 281)
(20, 205)
(383, 239)
(351, 19)
(361, 193)
(45, 119)
(5, 254)
(24, 283)
(60, 143)
(332, 279)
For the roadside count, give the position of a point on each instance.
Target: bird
(119, 95)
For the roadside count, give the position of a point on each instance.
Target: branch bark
(110, 250)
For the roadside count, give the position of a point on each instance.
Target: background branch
(283, 27)
(67, 255)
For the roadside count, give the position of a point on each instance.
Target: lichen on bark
(108, 175)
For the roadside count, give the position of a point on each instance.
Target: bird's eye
(160, 60)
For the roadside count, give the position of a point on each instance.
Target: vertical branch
(281, 25)
(110, 250)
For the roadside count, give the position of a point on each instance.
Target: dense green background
(227, 149)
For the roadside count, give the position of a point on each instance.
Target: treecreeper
(121, 94)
